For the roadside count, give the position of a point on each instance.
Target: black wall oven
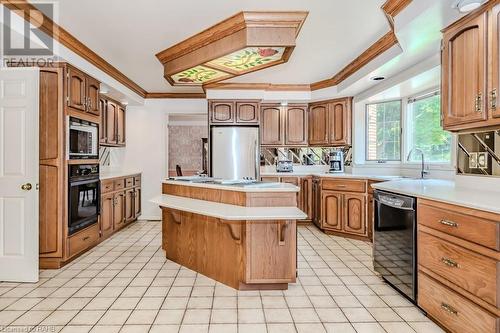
(395, 241)
(83, 139)
(83, 196)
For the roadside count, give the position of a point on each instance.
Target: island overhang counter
(242, 236)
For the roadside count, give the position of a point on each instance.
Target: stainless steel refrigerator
(234, 152)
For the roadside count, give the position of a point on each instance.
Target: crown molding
(391, 8)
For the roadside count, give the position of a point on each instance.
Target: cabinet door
(355, 213)
(247, 112)
(118, 210)
(318, 124)
(111, 115)
(221, 112)
(494, 80)
(129, 205)
(120, 126)
(92, 95)
(296, 125)
(76, 89)
(306, 196)
(103, 137)
(331, 210)
(271, 127)
(137, 202)
(340, 122)
(464, 68)
(107, 204)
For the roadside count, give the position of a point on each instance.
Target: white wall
(146, 150)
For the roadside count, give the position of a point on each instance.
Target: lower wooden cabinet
(120, 203)
(354, 209)
(458, 269)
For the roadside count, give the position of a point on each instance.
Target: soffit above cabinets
(244, 43)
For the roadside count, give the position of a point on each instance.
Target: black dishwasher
(395, 241)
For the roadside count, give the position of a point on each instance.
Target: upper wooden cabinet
(112, 127)
(470, 71)
(296, 119)
(247, 112)
(230, 112)
(82, 91)
(284, 125)
(330, 122)
(271, 128)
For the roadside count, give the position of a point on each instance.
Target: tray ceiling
(128, 34)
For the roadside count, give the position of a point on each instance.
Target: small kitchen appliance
(336, 161)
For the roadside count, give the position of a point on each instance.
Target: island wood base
(246, 255)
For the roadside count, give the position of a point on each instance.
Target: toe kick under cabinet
(120, 203)
(459, 267)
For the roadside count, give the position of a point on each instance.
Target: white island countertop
(228, 212)
(444, 191)
(257, 187)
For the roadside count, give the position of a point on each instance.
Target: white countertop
(260, 187)
(444, 191)
(108, 174)
(228, 212)
(328, 175)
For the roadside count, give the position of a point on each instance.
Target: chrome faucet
(423, 172)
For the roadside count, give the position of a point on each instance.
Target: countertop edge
(239, 213)
(235, 188)
(118, 174)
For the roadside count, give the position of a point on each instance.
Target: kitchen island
(244, 236)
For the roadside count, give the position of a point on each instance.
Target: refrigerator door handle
(257, 160)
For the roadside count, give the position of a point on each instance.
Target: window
(383, 139)
(424, 129)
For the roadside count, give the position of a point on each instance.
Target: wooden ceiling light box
(243, 43)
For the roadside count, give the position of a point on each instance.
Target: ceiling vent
(243, 43)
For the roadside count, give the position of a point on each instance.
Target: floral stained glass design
(198, 75)
(249, 58)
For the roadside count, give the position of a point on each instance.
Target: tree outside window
(383, 122)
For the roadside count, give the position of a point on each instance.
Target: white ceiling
(128, 34)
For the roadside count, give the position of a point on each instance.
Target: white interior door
(19, 174)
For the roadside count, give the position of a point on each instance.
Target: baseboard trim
(150, 218)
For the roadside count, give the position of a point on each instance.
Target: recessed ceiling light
(104, 89)
(465, 6)
(284, 103)
(377, 78)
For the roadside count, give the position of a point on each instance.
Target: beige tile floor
(126, 285)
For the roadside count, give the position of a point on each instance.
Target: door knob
(26, 187)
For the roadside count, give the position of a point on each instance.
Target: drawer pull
(85, 238)
(341, 186)
(449, 223)
(449, 262)
(448, 308)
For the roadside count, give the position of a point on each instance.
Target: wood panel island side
(242, 236)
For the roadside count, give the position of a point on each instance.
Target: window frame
(384, 161)
(406, 127)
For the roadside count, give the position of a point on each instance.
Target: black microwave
(83, 140)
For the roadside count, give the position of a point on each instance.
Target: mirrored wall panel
(302, 156)
(479, 153)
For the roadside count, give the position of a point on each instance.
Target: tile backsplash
(479, 153)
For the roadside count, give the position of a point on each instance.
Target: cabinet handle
(341, 186)
(449, 223)
(449, 262)
(493, 99)
(479, 99)
(448, 308)
(85, 238)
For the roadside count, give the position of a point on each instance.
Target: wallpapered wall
(184, 148)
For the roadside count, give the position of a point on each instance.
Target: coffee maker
(336, 161)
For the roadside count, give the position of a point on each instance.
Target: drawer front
(129, 182)
(107, 186)
(471, 271)
(119, 184)
(468, 227)
(83, 240)
(344, 185)
(137, 181)
(453, 311)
